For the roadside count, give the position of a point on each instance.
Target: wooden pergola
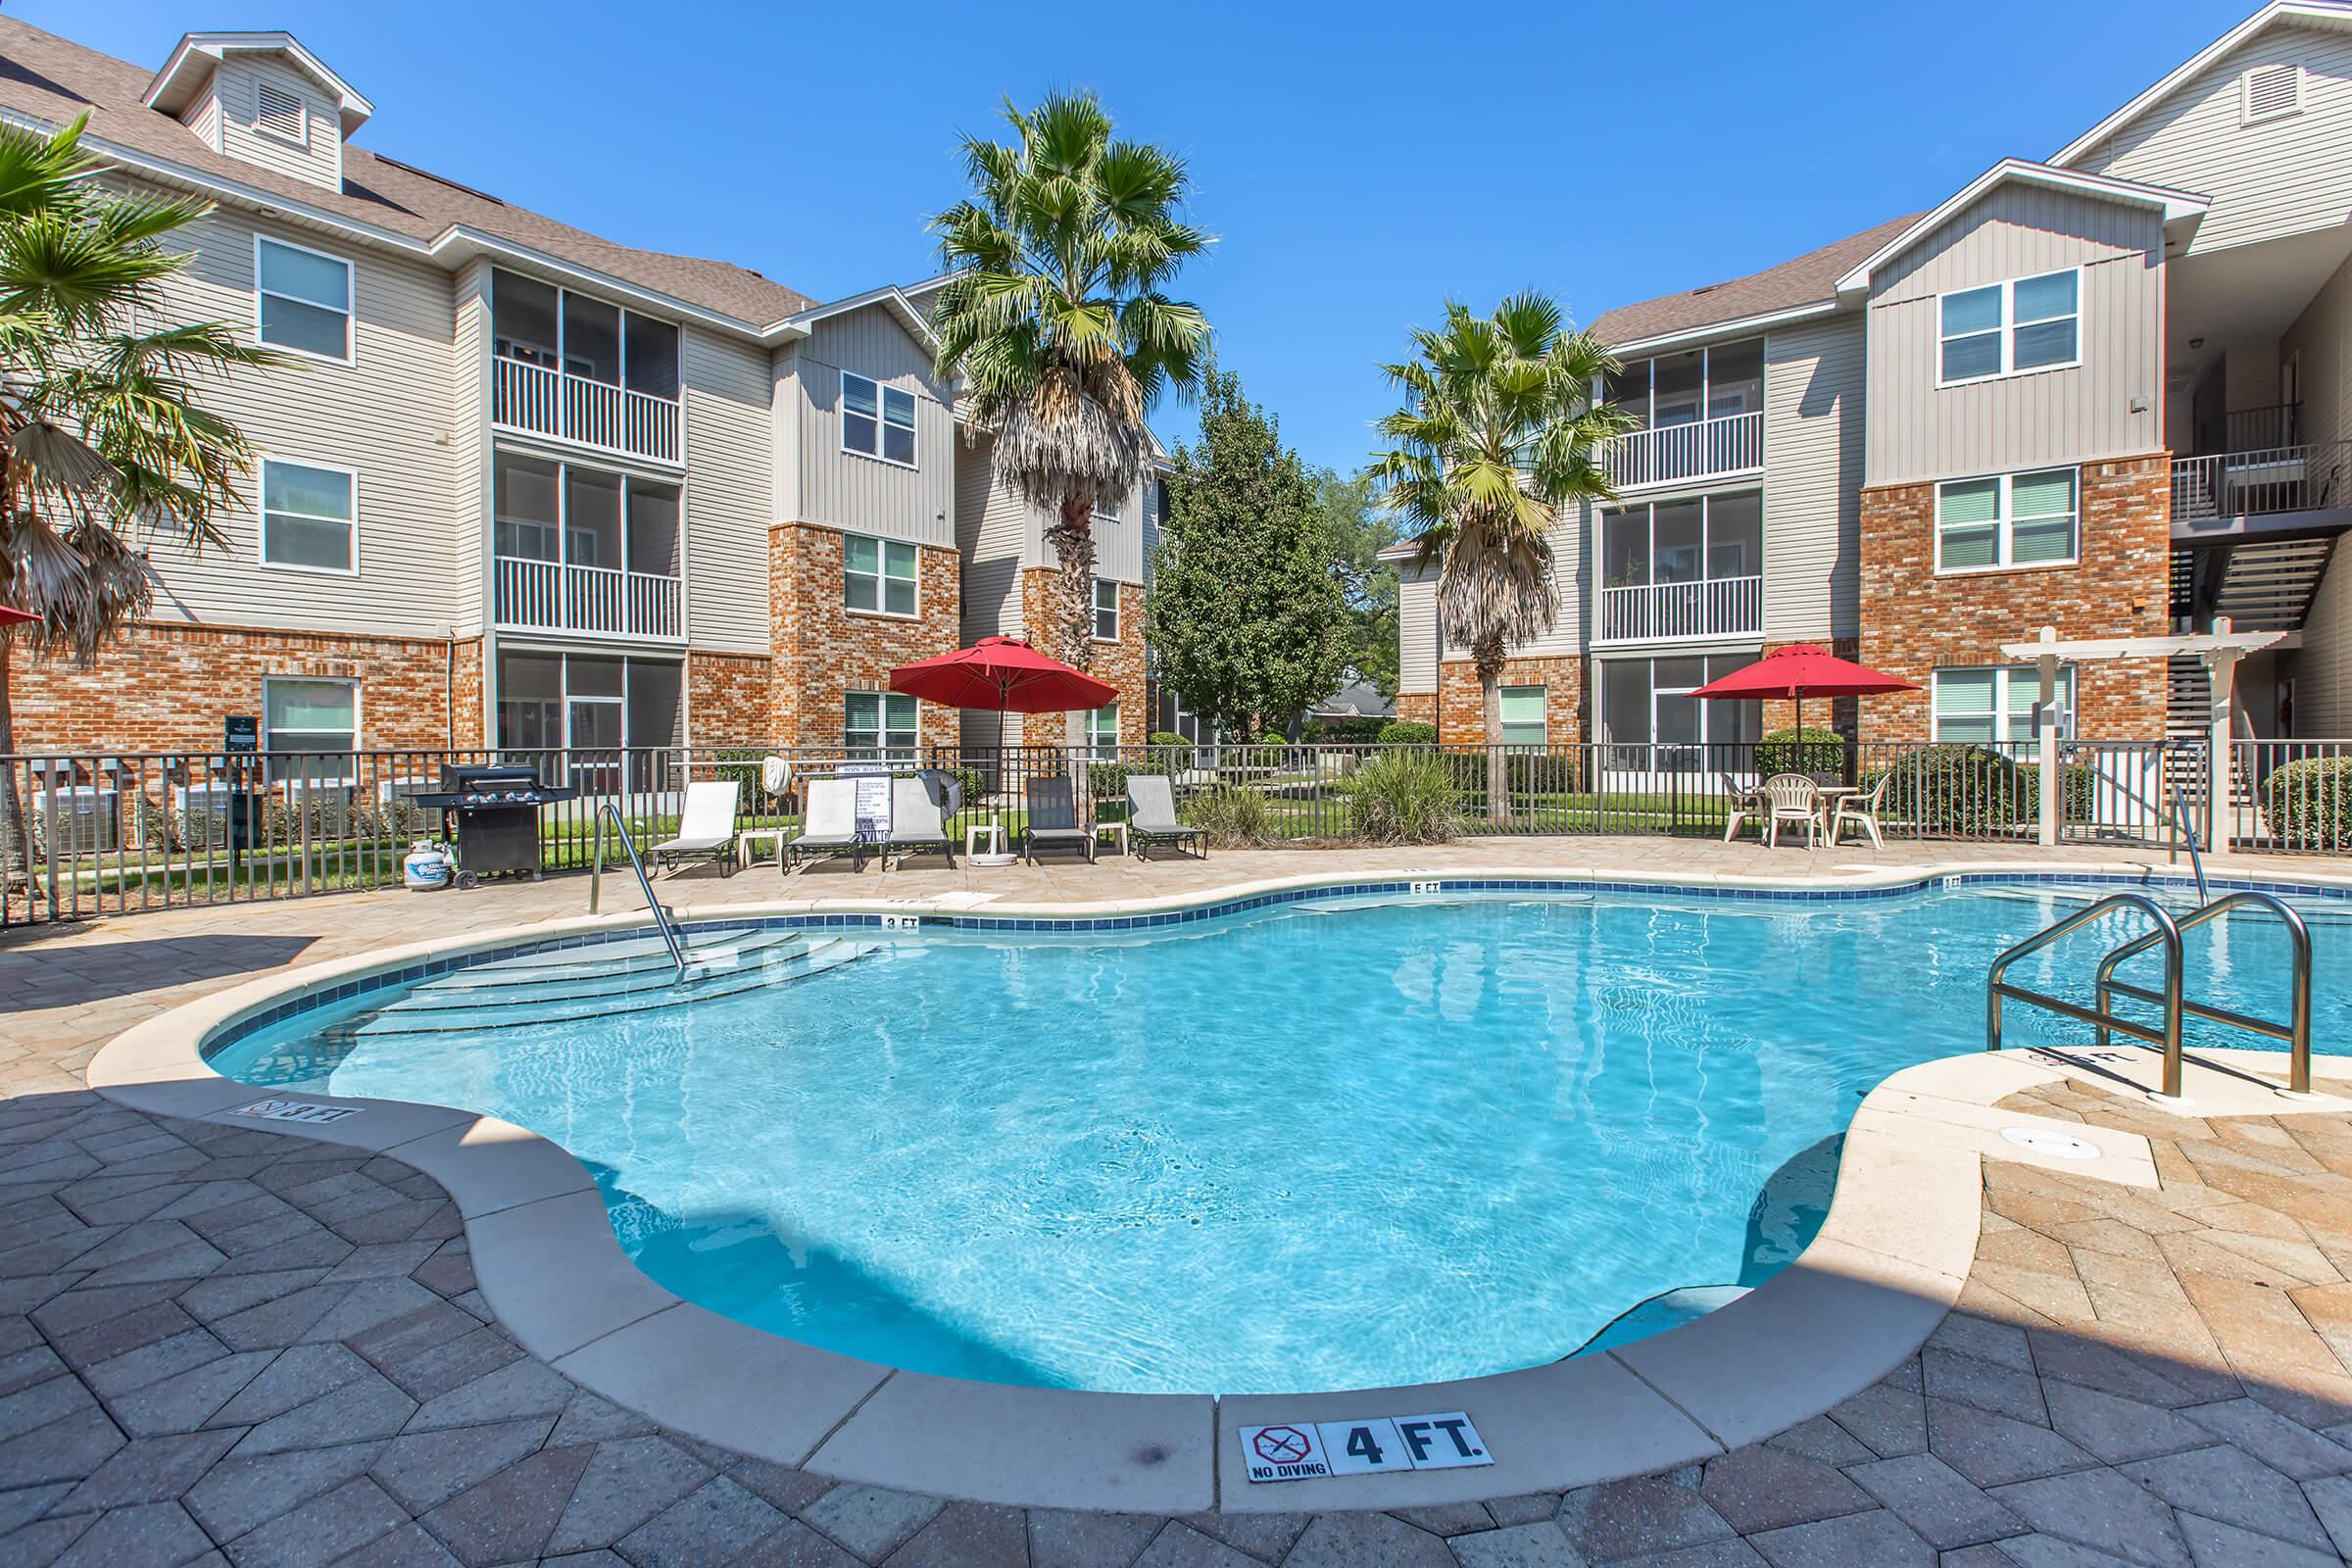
(2220, 648)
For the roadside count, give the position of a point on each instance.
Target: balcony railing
(575, 408)
(1701, 449)
(2246, 484)
(1717, 607)
(603, 601)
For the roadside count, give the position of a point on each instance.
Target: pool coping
(1891, 1258)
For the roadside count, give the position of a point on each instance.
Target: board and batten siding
(389, 416)
(852, 490)
(728, 488)
(317, 157)
(1118, 543)
(991, 522)
(2323, 665)
(1919, 431)
(2280, 177)
(1416, 631)
(1813, 433)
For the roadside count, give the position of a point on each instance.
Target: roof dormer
(264, 98)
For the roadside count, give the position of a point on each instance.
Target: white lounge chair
(1862, 811)
(1152, 816)
(705, 826)
(1792, 797)
(828, 823)
(918, 810)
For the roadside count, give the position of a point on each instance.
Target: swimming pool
(1336, 1142)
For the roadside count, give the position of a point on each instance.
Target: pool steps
(492, 984)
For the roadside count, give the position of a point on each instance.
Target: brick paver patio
(222, 1344)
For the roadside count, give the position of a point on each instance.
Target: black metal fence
(86, 834)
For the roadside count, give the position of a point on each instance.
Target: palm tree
(101, 436)
(1499, 432)
(1056, 318)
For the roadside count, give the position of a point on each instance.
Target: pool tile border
(1854, 1305)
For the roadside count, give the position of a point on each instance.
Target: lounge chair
(1054, 819)
(1792, 797)
(1152, 816)
(1862, 811)
(705, 826)
(828, 823)
(918, 817)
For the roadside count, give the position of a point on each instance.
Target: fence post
(2045, 731)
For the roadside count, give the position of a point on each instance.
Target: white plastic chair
(1862, 811)
(1792, 797)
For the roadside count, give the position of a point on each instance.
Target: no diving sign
(1307, 1451)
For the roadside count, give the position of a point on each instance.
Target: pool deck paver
(227, 1345)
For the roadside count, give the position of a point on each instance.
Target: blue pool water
(1320, 1145)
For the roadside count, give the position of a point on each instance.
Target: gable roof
(2180, 207)
(199, 53)
(47, 81)
(2325, 14)
(1800, 283)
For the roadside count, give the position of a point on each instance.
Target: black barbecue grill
(496, 806)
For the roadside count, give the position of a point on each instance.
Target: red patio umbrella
(10, 616)
(1801, 670)
(1004, 674)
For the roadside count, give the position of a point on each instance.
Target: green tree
(1056, 321)
(1359, 529)
(1249, 621)
(1499, 436)
(103, 437)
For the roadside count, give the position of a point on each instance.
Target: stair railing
(645, 884)
(2296, 1032)
(1998, 989)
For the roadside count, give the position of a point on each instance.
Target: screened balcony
(1701, 415)
(576, 549)
(575, 368)
(1683, 571)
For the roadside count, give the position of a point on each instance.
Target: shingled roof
(56, 80)
(1808, 279)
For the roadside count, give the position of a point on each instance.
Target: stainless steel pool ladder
(2103, 1018)
(596, 882)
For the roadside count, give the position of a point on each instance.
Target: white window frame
(1099, 749)
(2004, 676)
(1110, 513)
(881, 747)
(350, 317)
(261, 515)
(357, 717)
(883, 576)
(1544, 693)
(2007, 329)
(1095, 604)
(2246, 113)
(882, 391)
(302, 114)
(2003, 521)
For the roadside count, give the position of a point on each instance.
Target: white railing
(549, 596)
(575, 408)
(1718, 607)
(2239, 484)
(1701, 449)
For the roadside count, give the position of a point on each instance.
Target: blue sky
(1359, 163)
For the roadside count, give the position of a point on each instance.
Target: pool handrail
(2167, 931)
(645, 884)
(2296, 1032)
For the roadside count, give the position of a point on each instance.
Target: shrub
(1346, 731)
(1952, 787)
(972, 781)
(1407, 732)
(2078, 792)
(1525, 772)
(1107, 781)
(1171, 753)
(1818, 751)
(1405, 798)
(1235, 818)
(2308, 803)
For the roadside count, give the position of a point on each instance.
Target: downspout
(448, 690)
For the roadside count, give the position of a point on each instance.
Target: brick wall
(1461, 709)
(1914, 621)
(1417, 708)
(822, 650)
(167, 687)
(729, 697)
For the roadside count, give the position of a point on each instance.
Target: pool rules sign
(1307, 1451)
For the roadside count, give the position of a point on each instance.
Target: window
(876, 419)
(1995, 705)
(1650, 721)
(592, 706)
(279, 112)
(2009, 520)
(538, 323)
(305, 299)
(1108, 508)
(1102, 732)
(307, 519)
(882, 722)
(2027, 323)
(1106, 610)
(877, 575)
(310, 716)
(1523, 715)
(2271, 92)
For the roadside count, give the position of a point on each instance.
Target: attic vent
(277, 111)
(2273, 92)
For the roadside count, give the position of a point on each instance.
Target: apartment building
(520, 486)
(2109, 391)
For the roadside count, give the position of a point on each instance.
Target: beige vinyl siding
(1576, 588)
(728, 487)
(319, 159)
(991, 522)
(2282, 176)
(470, 450)
(1813, 434)
(387, 415)
(1118, 546)
(850, 489)
(1918, 430)
(2323, 665)
(1417, 632)
(2321, 341)
(203, 116)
